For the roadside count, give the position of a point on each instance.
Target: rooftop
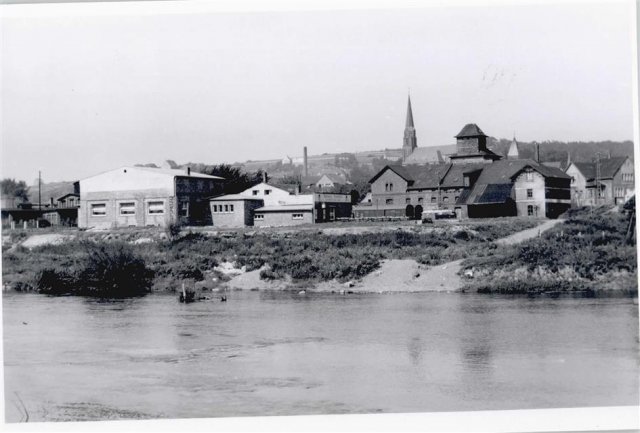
(470, 130)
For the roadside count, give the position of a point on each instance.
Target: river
(281, 353)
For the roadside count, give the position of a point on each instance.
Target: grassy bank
(588, 252)
(163, 261)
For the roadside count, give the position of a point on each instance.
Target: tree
(236, 180)
(14, 189)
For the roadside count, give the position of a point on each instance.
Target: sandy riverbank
(393, 276)
(405, 275)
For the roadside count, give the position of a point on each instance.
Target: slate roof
(608, 167)
(429, 154)
(428, 176)
(493, 194)
(486, 152)
(495, 183)
(470, 130)
(505, 170)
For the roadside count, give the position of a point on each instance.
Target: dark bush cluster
(103, 269)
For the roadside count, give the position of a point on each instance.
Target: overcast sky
(84, 94)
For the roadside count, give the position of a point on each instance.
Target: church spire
(410, 141)
(409, 123)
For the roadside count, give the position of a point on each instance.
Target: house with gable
(605, 181)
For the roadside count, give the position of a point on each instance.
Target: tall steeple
(410, 141)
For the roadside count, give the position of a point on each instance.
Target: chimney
(538, 153)
(306, 166)
(188, 171)
(264, 176)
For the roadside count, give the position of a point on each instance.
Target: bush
(104, 270)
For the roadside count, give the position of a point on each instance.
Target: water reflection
(265, 353)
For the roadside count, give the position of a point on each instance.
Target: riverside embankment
(507, 255)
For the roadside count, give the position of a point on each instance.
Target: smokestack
(306, 166)
(538, 153)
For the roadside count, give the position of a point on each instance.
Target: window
(99, 209)
(297, 216)
(408, 200)
(529, 193)
(390, 187)
(230, 208)
(456, 198)
(128, 208)
(420, 199)
(267, 191)
(258, 217)
(215, 208)
(433, 199)
(155, 207)
(445, 199)
(388, 201)
(530, 210)
(254, 192)
(226, 208)
(183, 210)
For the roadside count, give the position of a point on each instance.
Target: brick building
(475, 182)
(144, 196)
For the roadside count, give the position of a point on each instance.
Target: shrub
(105, 270)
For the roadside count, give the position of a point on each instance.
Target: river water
(280, 353)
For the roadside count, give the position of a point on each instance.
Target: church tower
(410, 142)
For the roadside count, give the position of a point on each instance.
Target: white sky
(84, 93)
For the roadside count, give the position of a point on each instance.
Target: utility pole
(598, 176)
(39, 190)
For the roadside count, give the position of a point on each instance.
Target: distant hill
(580, 151)
(52, 190)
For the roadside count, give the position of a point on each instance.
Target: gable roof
(495, 183)
(470, 130)
(430, 154)
(608, 167)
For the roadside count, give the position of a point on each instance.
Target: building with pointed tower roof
(471, 146)
(410, 141)
(514, 150)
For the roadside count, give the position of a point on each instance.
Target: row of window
(388, 187)
(222, 208)
(256, 191)
(434, 199)
(128, 208)
(627, 177)
(295, 216)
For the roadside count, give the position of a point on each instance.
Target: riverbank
(588, 252)
(504, 255)
(339, 254)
